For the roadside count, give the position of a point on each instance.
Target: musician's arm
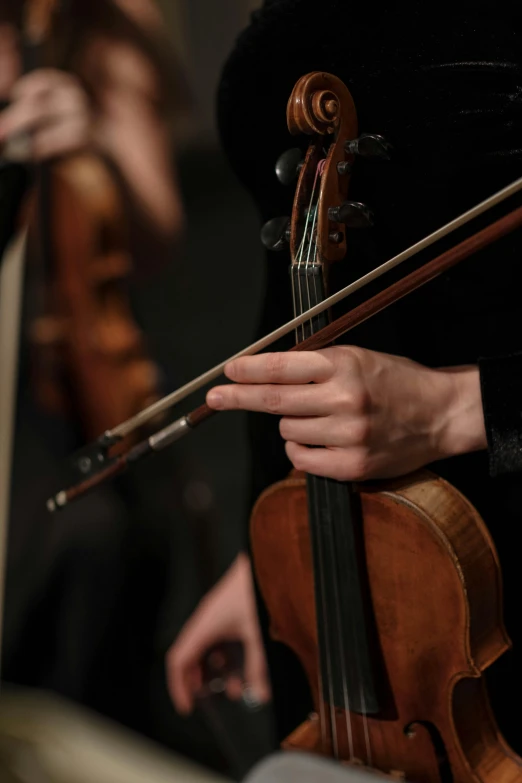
(130, 128)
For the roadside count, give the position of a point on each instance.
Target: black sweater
(445, 86)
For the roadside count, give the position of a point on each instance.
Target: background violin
(389, 593)
(88, 354)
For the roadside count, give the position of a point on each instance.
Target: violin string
(321, 554)
(325, 693)
(366, 728)
(326, 696)
(334, 575)
(338, 613)
(326, 635)
(302, 246)
(294, 302)
(320, 684)
(210, 375)
(365, 720)
(339, 621)
(325, 690)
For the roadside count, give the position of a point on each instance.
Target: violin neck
(341, 594)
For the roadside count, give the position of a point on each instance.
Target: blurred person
(446, 92)
(83, 587)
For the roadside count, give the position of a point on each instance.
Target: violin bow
(11, 292)
(94, 464)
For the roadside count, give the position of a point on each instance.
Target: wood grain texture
(436, 592)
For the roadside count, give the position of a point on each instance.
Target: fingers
(234, 687)
(60, 139)
(301, 367)
(40, 82)
(184, 659)
(184, 674)
(255, 676)
(256, 671)
(23, 117)
(346, 432)
(313, 383)
(306, 400)
(52, 108)
(226, 614)
(339, 464)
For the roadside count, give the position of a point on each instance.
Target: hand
(374, 415)
(227, 613)
(49, 108)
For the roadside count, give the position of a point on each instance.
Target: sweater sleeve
(501, 385)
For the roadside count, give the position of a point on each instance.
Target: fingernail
(215, 399)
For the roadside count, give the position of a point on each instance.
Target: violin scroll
(321, 106)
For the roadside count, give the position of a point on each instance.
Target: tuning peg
(353, 214)
(370, 145)
(276, 233)
(288, 166)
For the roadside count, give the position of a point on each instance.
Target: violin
(389, 593)
(88, 355)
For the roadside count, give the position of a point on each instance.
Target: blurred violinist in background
(86, 140)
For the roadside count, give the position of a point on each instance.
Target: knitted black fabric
(501, 382)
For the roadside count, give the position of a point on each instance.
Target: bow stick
(94, 464)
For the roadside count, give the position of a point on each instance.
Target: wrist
(461, 427)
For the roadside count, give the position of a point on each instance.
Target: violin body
(89, 356)
(435, 594)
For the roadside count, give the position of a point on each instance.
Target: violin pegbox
(322, 107)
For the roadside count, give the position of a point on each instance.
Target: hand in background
(51, 111)
(227, 613)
